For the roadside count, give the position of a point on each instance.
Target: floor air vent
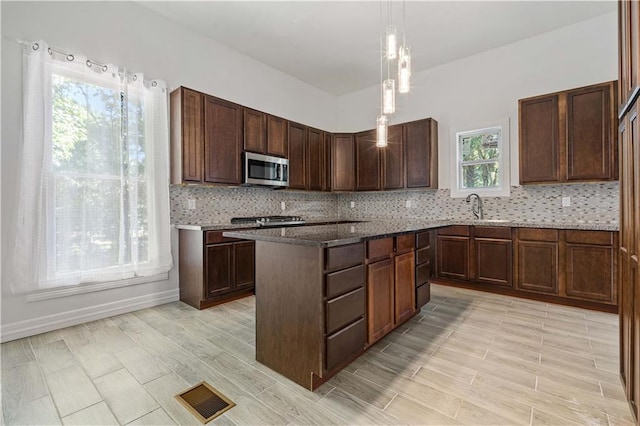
(205, 402)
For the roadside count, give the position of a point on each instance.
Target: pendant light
(404, 69)
(391, 39)
(389, 96)
(382, 125)
(404, 57)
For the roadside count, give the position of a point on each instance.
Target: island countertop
(348, 233)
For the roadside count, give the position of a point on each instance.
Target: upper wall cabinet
(629, 54)
(342, 162)
(420, 139)
(569, 136)
(206, 138)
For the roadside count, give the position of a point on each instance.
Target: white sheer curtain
(94, 202)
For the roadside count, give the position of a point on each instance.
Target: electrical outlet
(283, 206)
(353, 229)
(191, 203)
(352, 204)
(407, 203)
(566, 201)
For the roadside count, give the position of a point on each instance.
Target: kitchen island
(324, 294)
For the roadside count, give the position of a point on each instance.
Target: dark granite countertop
(348, 233)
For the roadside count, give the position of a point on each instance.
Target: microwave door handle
(278, 171)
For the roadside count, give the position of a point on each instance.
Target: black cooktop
(270, 220)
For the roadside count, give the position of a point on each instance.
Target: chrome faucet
(476, 208)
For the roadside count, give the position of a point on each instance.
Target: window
(94, 202)
(482, 162)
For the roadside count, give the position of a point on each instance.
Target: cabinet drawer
(345, 343)
(422, 255)
(405, 243)
(423, 273)
(423, 239)
(346, 280)
(423, 295)
(493, 232)
(600, 238)
(214, 237)
(378, 249)
(344, 309)
(455, 230)
(344, 256)
(531, 234)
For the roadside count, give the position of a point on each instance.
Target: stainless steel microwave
(264, 170)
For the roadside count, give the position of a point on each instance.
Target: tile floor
(466, 358)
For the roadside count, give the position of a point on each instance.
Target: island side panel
(289, 315)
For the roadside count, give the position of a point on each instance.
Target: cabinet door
(367, 162)
(629, 53)
(380, 303)
(192, 135)
(590, 272)
(590, 138)
(326, 162)
(222, 141)
(218, 269)
(405, 292)
(315, 163)
(393, 160)
(539, 140)
(538, 266)
(297, 134)
(421, 153)
(453, 257)
(342, 163)
(276, 136)
(494, 261)
(244, 264)
(255, 133)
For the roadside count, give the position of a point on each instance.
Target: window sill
(93, 287)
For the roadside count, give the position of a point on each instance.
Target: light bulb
(404, 69)
(381, 131)
(389, 96)
(391, 38)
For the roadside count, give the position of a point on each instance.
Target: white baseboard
(20, 329)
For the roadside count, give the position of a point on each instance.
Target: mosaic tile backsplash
(219, 204)
(597, 202)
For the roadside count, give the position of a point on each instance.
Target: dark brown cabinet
(380, 303)
(629, 150)
(297, 134)
(213, 268)
(629, 54)
(390, 284)
(453, 252)
(537, 260)
(187, 135)
(367, 161)
(276, 136)
(404, 278)
(342, 162)
(315, 159)
(591, 265)
(425, 265)
(222, 141)
(326, 162)
(255, 131)
(569, 136)
(345, 303)
(392, 159)
(420, 139)
(493, 256)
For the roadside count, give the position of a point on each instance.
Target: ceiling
(335, 45)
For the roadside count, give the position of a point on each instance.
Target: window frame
(504, 162)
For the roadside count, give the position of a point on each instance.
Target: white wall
(130, 35)
(484, 88)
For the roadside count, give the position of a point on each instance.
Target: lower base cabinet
(214, 269)
(425, 260)
(390, 284)
(574, 267)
